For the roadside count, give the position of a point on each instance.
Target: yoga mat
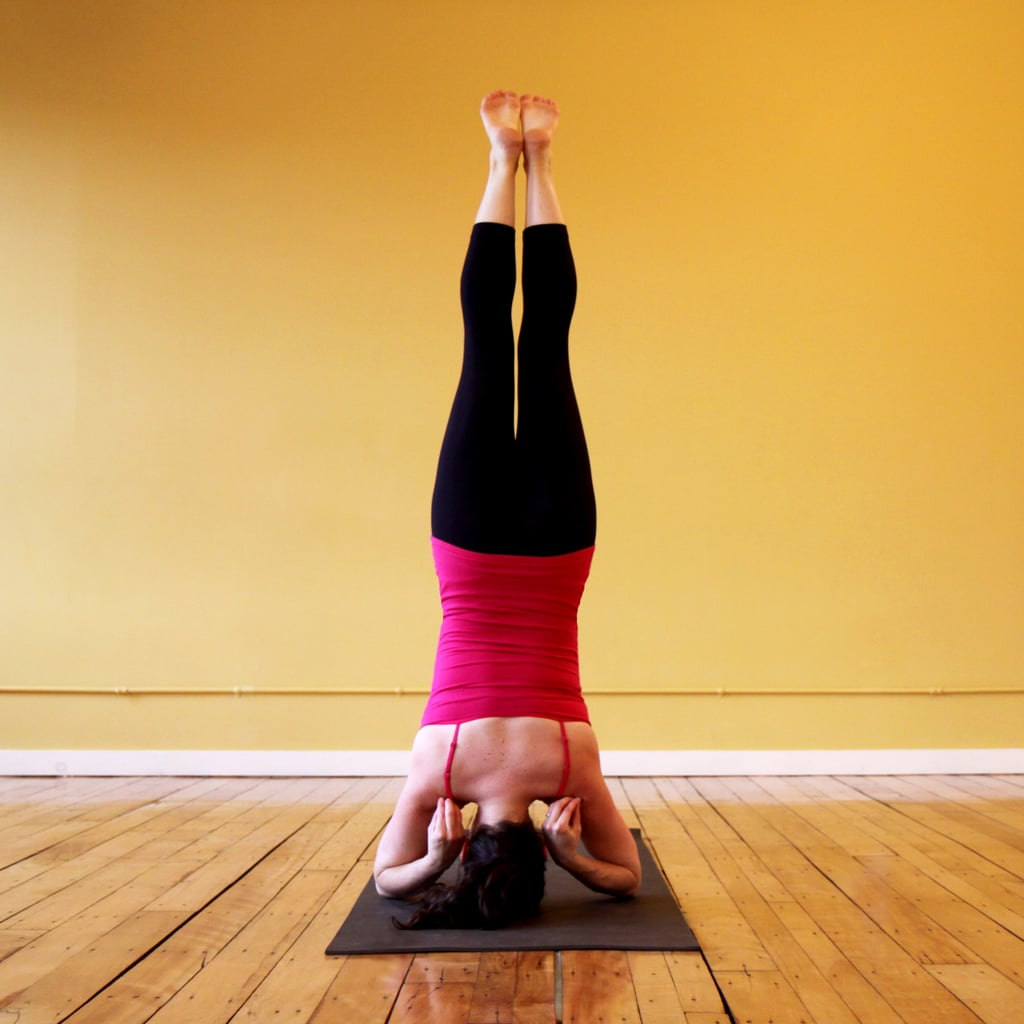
(572, 917)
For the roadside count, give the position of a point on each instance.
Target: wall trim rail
(423, 691)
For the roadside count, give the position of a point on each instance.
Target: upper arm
(604, 832)
(405, 836)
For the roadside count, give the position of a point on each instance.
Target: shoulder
(586, 780)
(585, 758)
(426, 766)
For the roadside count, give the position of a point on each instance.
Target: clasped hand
(563, 826)
(445, 833)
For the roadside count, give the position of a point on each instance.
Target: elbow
(386, 887)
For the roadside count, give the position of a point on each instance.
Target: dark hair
(501, 880)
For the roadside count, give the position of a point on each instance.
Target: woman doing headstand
(513, 522)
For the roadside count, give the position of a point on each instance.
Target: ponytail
(501, 880)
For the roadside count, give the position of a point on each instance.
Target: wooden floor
(815, 900)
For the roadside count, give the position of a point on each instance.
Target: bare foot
(500, 113)
(540, 119)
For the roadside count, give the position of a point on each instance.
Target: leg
(471, 503)
(559, 511)
(500, 114)
(539, 119)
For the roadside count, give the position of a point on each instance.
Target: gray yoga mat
(571, 917)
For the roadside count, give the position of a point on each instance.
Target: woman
(513, 522)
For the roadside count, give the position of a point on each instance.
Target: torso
(501, 758)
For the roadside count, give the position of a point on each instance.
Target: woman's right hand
(445, 833)
(562, 829)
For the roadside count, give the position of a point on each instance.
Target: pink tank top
(508, 643)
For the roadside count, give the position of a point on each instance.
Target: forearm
(601, 875)
(400, 880)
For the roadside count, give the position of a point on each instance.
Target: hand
(562, 828)
(445, 833)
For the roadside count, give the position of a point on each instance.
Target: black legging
(528, 490)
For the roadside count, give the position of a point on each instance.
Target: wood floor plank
(59, 945)
(988, 942)
(993, 997)
(433, 1004)
(214, 994)
(897, 977)
(21, 798)
(135, 995)
(304, 974)
(59, 824)
(920, 936)
(654, 989)
(725, 937)
(803, 800)
(1012, 780)
(58, 992)
(958, 870)
(65, 799)
(993, 797)
(365, 989)
(694, 984)
(495, 990)
(815, 899)
(216, 855)
(1000, 823)
(533, 1002)
(172, 890)
(702, 819)
(954, 822)
(764, 997)
(232, 853)
(11, 941)
(874, 954)
(827, 955)
(925, 835)
(756, 897)
(15, 788)
(103, 861)
(444, 968)
(360, 831)
(597, 986)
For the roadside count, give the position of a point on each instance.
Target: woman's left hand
(563, 827)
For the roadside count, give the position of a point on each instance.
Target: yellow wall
(231, 236)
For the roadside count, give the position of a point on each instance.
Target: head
(501, 880)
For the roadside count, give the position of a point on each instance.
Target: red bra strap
(565, 761)
(448, 763)
(567, 764)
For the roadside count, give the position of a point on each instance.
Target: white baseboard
(614, 762)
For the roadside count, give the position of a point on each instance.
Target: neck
(502, 808)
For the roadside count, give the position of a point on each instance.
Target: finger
(453, 819)
(437, 819)
(576, 812)
(443, 817)
(561, 815)
(557, 806)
